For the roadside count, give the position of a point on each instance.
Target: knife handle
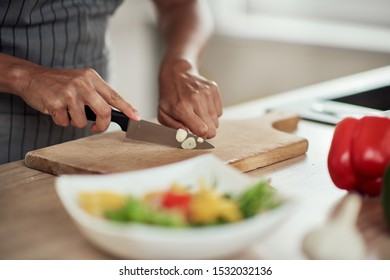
(117, 117)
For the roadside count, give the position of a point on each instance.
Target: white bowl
(152, 242)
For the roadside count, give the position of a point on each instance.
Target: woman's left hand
(188, 100)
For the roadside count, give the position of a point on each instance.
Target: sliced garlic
(189, 143)
(181, 135)
(200, 140)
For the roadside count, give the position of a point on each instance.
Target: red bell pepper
(176, 200)
(359, 154)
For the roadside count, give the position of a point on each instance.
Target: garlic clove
(181, 135)
(339, 237)
(333, 242)
(189, 143)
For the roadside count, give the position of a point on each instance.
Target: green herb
(137, 211)
(258, 198)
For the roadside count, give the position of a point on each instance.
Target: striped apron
(53, 33)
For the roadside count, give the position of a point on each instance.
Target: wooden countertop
(34, 225)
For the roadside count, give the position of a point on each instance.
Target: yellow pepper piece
(99, 202)
(207, 207)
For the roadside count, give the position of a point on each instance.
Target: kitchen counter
(34, 224)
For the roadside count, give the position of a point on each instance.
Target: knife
(147, 131)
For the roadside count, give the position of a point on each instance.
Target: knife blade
(147, 131)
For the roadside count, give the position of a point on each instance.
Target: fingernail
(137, 116)
(93, 128)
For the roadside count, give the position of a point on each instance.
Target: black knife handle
(117, 117)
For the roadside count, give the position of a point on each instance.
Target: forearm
(186, 26)
(13, 73)
(186, 99)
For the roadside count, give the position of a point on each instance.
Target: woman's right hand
(63, 93)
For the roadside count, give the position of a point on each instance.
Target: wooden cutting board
(245, 144)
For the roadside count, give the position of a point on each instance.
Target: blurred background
(260, 47)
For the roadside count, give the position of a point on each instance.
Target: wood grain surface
(246, 144)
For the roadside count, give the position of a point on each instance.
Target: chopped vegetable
(189, 143)
(137, 211)
(176, 200)
(207, 207)
(181, 135)
(258, 198)
(96, 203)
(180, 207)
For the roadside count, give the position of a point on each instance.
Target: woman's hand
(63, 93)
(188, 100)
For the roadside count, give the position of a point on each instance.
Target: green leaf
(138, 211)
(168, 219)
(257, 198)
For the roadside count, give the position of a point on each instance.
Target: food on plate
(181, 206)
(359, 154)
(95, 203)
